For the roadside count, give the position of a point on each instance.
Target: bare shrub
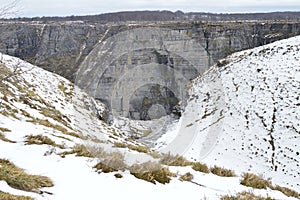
(255, 181)
(186, 177)
(244, 196)
(197, 166)
(174, 160)
(152, 172)
(111, 162)
(220, 171)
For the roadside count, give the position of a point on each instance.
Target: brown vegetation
(17, 178)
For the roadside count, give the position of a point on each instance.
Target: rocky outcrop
(139, 70)
(142, 73)
(58, 47)
(61, 46)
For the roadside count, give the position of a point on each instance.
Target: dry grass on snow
(244, 196)
(19, 179)
(255, 181)
(40, 140)
(152, 172)
(7, 196)
(174, 160)
(220, 171)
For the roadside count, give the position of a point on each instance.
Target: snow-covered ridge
(244, 114)
(43, 95)
(35, 102)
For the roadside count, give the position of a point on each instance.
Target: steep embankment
(244, 114)
(44, 118)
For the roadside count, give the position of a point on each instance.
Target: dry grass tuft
(7, 196)
(174, 160)
(61, 137)
(3, 138)
(97, 151)
(46, 123)
(104, 167)
(40, 140)
(186, 177)
(56, 115)
(220, 171)
(139, 148)
(111, 162)
(197, 166)
(288, 192)
(79, 150)
(245, 196)
(65, 90)
(118, 175)
(4, 130)
(152, 172)
(120, 145)
(252, 180)
(154, 154)
(17, 178)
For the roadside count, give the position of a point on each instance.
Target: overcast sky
(31, 8)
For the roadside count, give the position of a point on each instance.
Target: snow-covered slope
(244, 114)
(35, 102)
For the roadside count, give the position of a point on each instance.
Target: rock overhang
(141, 71)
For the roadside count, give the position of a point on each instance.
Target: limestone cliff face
(61, 46)
(142, 71)
(56, 47)
(139, 70)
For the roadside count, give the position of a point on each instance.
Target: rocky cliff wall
(139, 70)
(61, 46)
(143, 71)
(57, 47)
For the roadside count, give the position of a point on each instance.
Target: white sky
(33, 8)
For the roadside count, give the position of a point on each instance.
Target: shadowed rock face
(151, 101)
(142, 71)
(136, 69)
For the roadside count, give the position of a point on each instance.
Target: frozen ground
(244, 114)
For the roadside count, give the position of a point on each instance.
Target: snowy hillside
(49, 127)
(244, 114)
